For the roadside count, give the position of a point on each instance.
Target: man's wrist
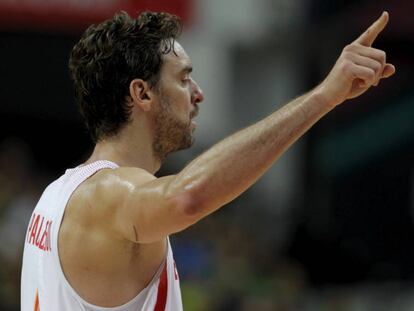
(320, 96)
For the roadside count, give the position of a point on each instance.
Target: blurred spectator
(19, 190)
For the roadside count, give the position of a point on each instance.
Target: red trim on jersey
(36, 304)
(162, 290)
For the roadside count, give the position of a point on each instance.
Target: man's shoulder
(106, 189)
(107, 181)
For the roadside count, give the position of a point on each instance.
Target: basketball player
(98, 238)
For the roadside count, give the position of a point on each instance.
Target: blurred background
(329, 227)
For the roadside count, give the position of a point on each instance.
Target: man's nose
(197, 95)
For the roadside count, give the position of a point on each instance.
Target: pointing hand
(359, 67)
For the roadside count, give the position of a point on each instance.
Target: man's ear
(141, 94)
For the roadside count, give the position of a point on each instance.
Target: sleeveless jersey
(43, 284)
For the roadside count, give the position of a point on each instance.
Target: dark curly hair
(109, 56)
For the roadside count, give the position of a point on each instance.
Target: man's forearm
(230, 167)
(234, 164)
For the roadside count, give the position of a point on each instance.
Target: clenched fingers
(355, 51)
(366, 74)
(367, 62)
(370, 52)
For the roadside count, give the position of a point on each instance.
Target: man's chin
(184, 140)
(189, 142)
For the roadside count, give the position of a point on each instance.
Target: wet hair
(109, 56)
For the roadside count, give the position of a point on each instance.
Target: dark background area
(353, 225)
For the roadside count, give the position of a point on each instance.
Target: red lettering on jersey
(38, 232)
(32, 238)
(42, 243)
(30, 227)
(39, 236)
(49, 235)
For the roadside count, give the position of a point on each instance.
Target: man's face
(178, 99)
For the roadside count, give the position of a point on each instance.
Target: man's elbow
(190, 206)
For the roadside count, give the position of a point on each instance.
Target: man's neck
(126, 153)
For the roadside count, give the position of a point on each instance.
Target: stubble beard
(171, 134)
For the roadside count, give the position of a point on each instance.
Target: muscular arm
(234, 164)
(154, 208)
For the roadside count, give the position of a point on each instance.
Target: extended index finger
(369, 36)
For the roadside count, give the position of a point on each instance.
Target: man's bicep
(147, 211)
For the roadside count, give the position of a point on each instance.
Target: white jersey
(44, 286)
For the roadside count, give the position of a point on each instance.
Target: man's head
(178, 96)
(122, 62)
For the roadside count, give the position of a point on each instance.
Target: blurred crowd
(20, 187)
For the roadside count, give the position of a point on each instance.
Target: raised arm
(154, 208)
